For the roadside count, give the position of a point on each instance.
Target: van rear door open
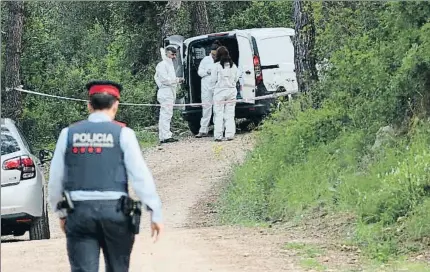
(246, 65)
(178, 42)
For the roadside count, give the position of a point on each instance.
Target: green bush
(309, 160)
(306, 159)
(281, 145)
(72, 67)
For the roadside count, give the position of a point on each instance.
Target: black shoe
(200, 135)
(218, 140)
(171, 140)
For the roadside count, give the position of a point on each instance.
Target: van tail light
(257, 70)
(24, 164)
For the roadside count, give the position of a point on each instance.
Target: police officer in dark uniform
(93, 161)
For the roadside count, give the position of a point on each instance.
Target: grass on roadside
(316, 161)
(397, 266)
(146, 138)
(308, 254)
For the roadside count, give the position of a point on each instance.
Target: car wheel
(39, 229)
(47, 229)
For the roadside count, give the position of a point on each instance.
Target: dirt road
(185, 173)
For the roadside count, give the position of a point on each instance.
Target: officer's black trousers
(94, 225)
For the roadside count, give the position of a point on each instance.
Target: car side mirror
(45, 155)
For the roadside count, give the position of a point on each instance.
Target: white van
(265, 55)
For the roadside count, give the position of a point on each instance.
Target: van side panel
(277, 60)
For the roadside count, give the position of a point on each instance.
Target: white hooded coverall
(167, 82)
(223, 81)
(204, 72)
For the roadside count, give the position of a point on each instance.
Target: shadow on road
(11, 240)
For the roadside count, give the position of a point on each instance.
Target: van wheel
(194, 126)
(256, 121)
(39, 230)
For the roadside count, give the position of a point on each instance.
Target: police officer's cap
(104, 86)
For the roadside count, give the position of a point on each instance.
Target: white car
(23, 202)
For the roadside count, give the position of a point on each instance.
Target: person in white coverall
(204, 72)
(167, 82)
(224, 77)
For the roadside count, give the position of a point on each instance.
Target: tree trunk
(304, 45)
(11, 102)
(199, 18)
(169, 16)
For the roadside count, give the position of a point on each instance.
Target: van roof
(258, 33)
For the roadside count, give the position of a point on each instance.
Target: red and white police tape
(274, 95)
